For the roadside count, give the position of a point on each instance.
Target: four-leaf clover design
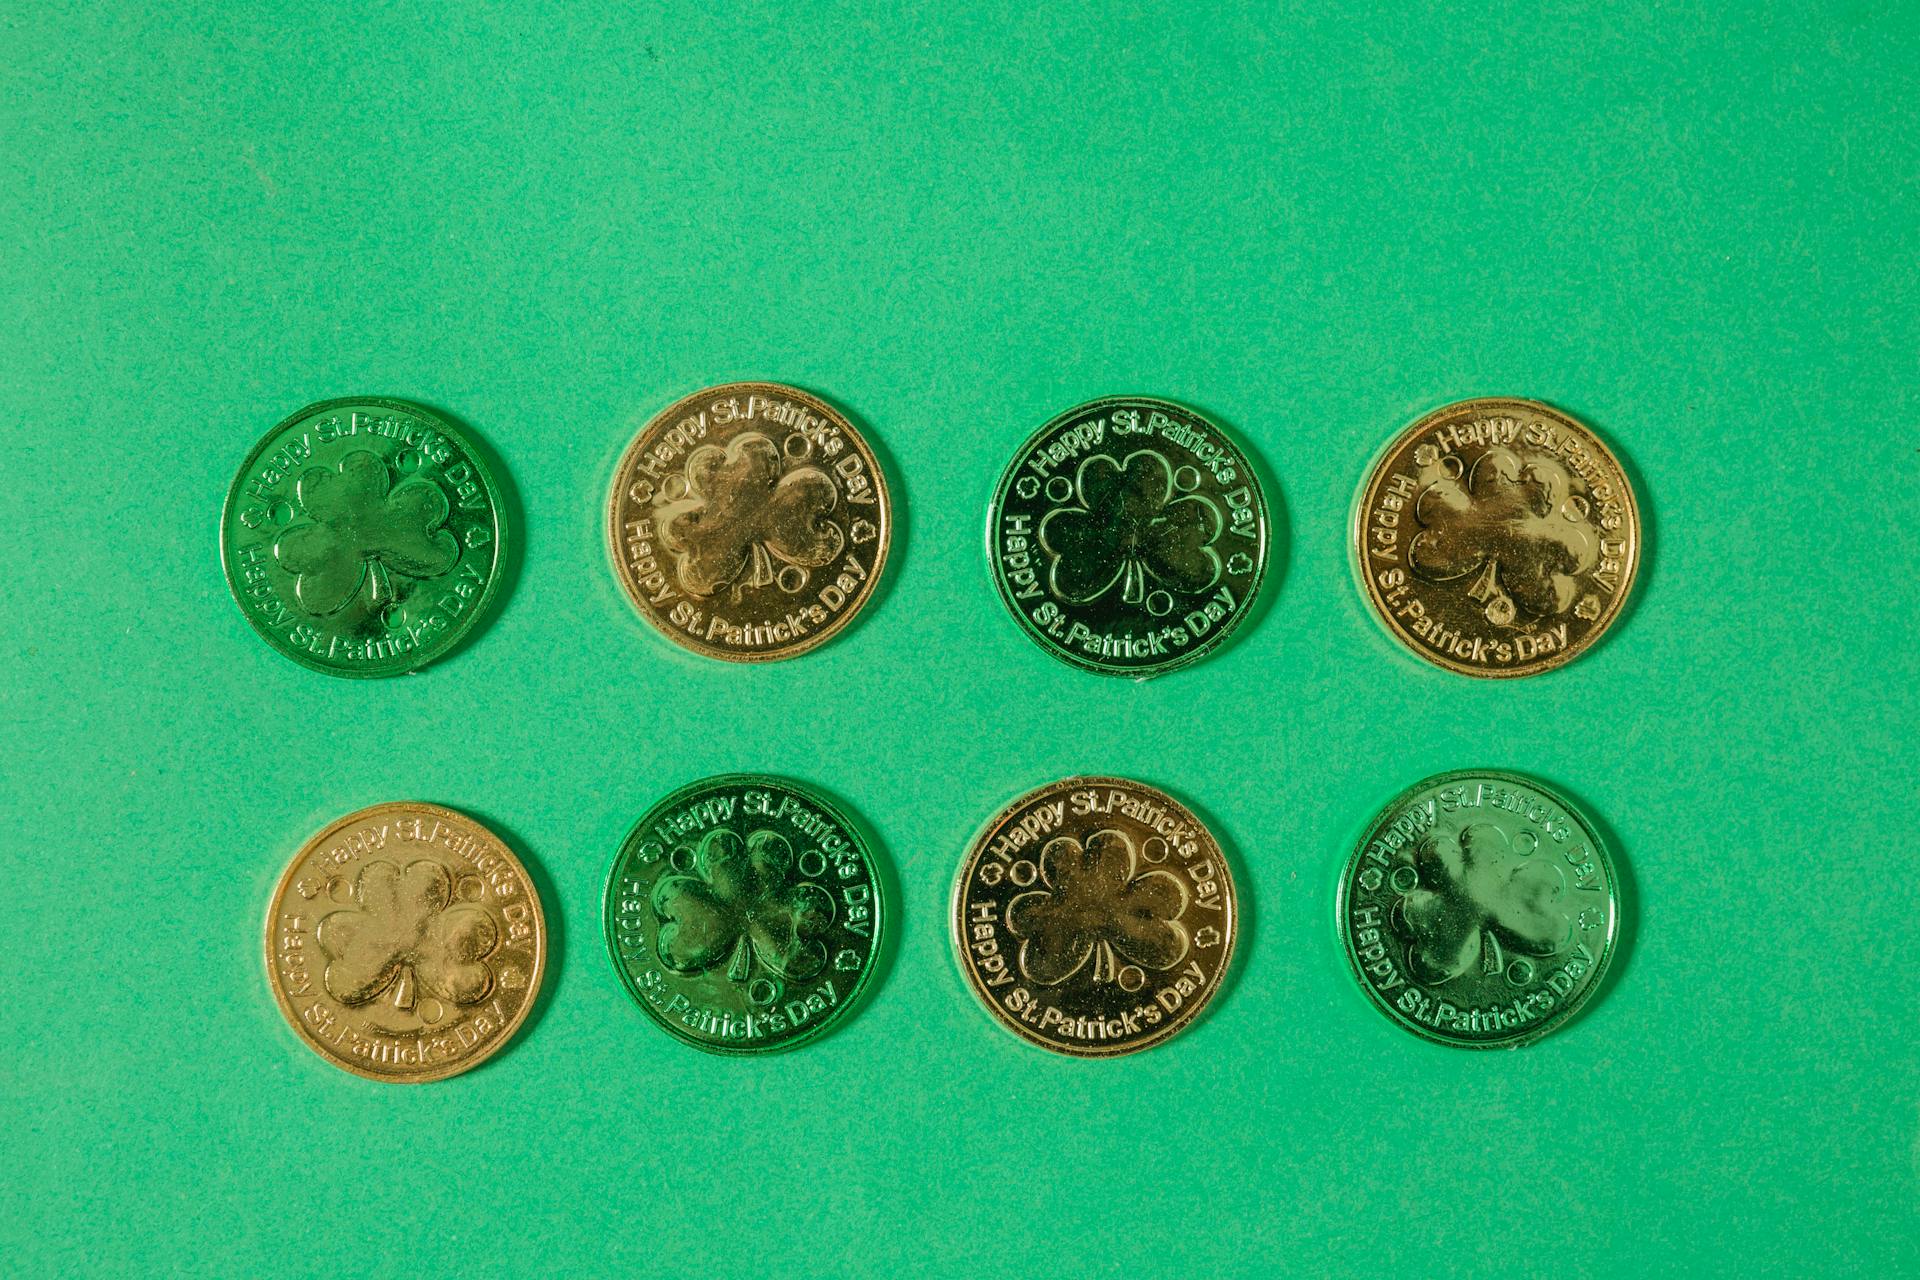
(741, 905)
(1128, 528)
(1097, 903)
(1474, 896)
(1512, 523)
(404, 929)
(360, 526)
(741, 511)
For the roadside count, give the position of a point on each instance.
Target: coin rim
(882, 912)
(1356, 544)
(1553, 1021)
(611, 527)
(533, 981)
(955, 924)
(1045, 642)
(451, 641)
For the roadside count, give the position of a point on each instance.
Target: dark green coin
(743, 914)
(1128, 536)
(1479, 910)
(362, 537)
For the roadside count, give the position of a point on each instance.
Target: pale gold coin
(1094, 917)
(405, 943)
(1496, 537)
(749, 522)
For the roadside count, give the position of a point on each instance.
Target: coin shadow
(899, 512)
(1649, 535)
(512, 544)
(551, 914)
(1246, 913)
(1279, 531)
(1625, 890)
(892, 909)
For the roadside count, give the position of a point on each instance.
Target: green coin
(744, 913)
(1128, 536)
(1479, 910)
(363, 537)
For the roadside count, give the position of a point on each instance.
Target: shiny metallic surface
(363, 537)
(1094, 917)
(405, 943)
(1480, 909)
(1496, 537)
(749, 522)
(1128, 536)
(744, 914)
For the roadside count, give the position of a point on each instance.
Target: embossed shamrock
(405, 930)
(1097, 904)
(742, 905)
(1511, 522)
(1475, 896)
(359, 529)
(1131, 529)
(740, 512)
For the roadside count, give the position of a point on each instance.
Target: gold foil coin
(1094, 917)
(405, 943)
(1497, 537)
(749, 522)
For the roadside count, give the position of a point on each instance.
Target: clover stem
(1487, 585)
(403, 988)
(762, 565)
(1486, 589)
(382, 585)
(1105, 966)
(1491, 959)
(1133, 586)
(741, 962)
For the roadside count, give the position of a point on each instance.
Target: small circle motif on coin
(363, 537)
(1496, 537)
(1128, 536)
(1479, 910)
(749, 522)
(405, 943)
(1094, 917)
(744, 914)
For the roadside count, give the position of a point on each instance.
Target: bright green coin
(1479, 910)
(744, 914)
(363, 537)
(1128, 536)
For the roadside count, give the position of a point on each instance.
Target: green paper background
(1693, 225)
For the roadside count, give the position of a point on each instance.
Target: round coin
(363, 537)
(744, 914)
(405, 943)
(749, 522)
(1094, 917)
(1496, 537)
(1128, 536)
(1479, 910)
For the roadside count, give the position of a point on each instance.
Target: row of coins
(751, 521)
(1095, 916)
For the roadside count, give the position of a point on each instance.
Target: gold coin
(1496, 537)
(405, 943)
(749, 522)
(1094, 917)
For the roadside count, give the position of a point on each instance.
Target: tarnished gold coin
(1497, 537)
(405, 943)
(1094, 917)
(749, 522)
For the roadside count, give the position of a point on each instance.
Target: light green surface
(1694, 227)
